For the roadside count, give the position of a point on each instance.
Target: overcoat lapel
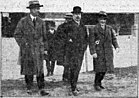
(107, 32)
(30, 22)
(101, 31)
(37, 22)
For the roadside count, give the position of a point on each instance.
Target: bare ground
(116, 85)
(122, 84)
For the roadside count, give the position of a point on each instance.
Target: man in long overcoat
(101, 39)
(30, 36)
(76, 44)
(61, 41)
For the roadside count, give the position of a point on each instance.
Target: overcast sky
(67, 5)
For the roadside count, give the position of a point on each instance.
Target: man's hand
(117, 50)
(94, 55)
(45, 52)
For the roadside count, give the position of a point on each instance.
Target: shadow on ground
(59, 88)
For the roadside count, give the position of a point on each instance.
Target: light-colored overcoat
(31, 40)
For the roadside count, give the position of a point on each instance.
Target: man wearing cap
(76, 44)
(30, 36)
(50, 57)
(61, 39)
(101, 39)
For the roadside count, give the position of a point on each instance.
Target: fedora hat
(34, 4)
(68, 15)
(102, 14)
(77, 9)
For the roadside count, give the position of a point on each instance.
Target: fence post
(0, 50)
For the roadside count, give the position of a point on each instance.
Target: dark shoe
(29, 92)
(97, 88)
(51, 74)
(102, 87)
(48, 74)
(75, 93)
(65, 80)
(43, 93)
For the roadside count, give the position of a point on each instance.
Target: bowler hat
(34, 4)
(68, 15)
(76, 9)
(102, 14)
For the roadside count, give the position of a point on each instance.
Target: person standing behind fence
(76, 44)
(101, 39)
(61, 35)
(50, 57)
(30, 36)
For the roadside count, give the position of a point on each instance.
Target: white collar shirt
(32, 17)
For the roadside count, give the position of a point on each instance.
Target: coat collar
(31, 22)
(32, 17)
(76, 24)
(104, 32)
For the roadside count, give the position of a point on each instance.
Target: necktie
(34, 21)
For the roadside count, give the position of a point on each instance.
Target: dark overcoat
(76, 43)
(102, 42)
(31, 40)
(60, 43)
(51, 46)
(72, 40)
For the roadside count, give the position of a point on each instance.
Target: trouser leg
(40, 81)
(74, 73)
(52, 67)
(98, 78)
(48, 67)
(73, 86)
(102, 74)
(66, 72)
(29, 81)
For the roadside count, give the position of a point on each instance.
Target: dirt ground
(121, 84)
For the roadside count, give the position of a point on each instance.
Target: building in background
(121, 22)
